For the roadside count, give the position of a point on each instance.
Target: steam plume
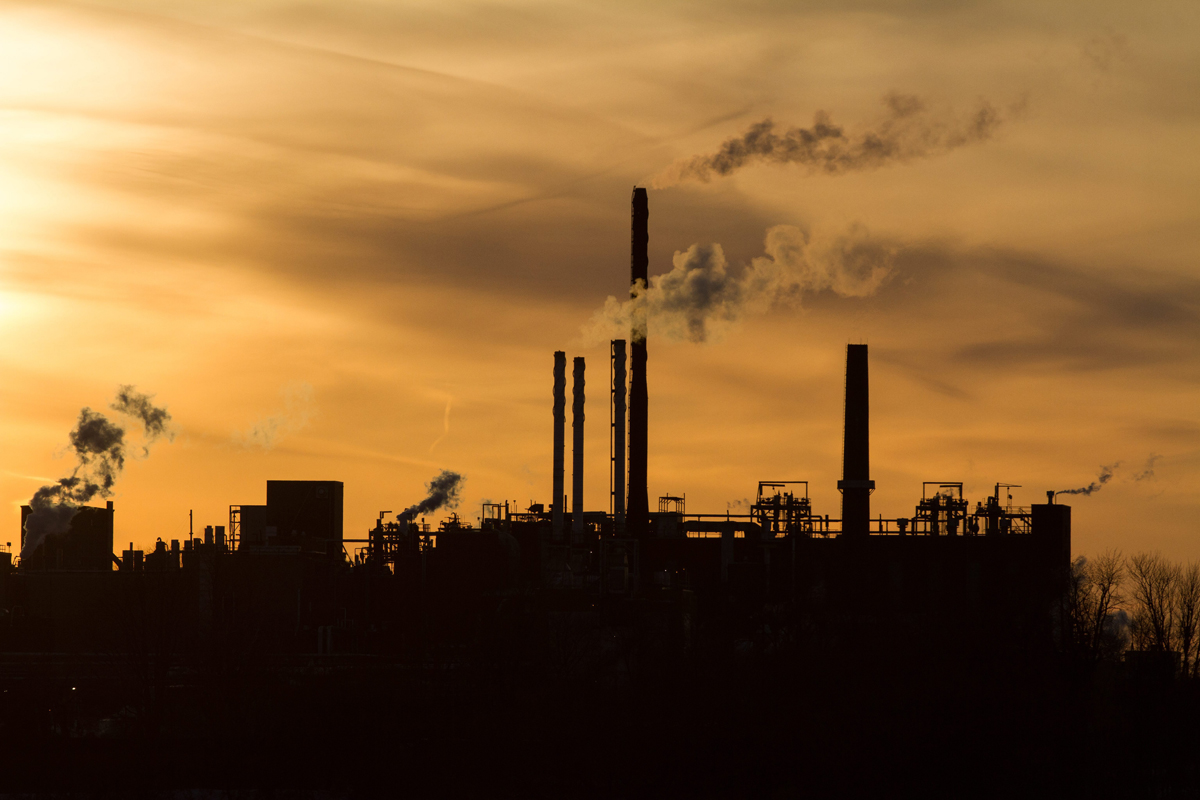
(1106, 474)
(137, 405)
(908, 131)
(700, 296)
(99, 445)
(443, 491)
(299, 408)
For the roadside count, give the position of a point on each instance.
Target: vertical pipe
(618, 435)
(577, 452)
(856, 483)
(560, 424)
(638, 517)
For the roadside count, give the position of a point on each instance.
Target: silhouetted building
(86, 545)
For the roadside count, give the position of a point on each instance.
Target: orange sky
(364, 227)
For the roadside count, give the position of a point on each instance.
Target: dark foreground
(750, 723)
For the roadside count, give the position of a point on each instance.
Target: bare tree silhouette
(1094, 599)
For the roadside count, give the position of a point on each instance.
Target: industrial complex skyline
(340, 242)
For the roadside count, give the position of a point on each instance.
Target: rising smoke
(99, 445)
(1106, 474)
(443, 492)
(908, 131)
(700, 297)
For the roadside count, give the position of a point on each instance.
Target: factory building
(281, 575)
(996, 571)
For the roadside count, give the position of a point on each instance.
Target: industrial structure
(284, 572)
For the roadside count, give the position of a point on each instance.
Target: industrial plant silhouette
(562, 650)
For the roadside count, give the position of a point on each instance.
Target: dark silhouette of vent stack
(577, 416)
(618, 434)
(856, 483)
(637, 519)
(560, 424)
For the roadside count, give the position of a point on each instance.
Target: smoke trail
(1106, 474)
(99, 446)
(699, 297)
(299, 407)
(1148, 470)
(443, 491)
(137, 405)
(908, 131)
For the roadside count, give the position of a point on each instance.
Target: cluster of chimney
(631, 512)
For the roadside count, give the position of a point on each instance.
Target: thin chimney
(577, 452)
(560, 424)
(638, 516)
(618, 434)
(856, 484)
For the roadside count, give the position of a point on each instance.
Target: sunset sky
(341, 241)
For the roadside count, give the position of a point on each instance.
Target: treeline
(1120, 606)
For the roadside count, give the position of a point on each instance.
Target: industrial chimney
(856, 485)
(577, 452)
(638, 517)
(618, 434)
(560, 424)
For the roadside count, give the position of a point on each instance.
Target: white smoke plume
(700, 297)
(299, 407)
(99, 445)
(908, 131)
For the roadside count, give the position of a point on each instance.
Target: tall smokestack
(560, 424)
(638, 517)
(618, 434)
(577, 453)
(856, 484)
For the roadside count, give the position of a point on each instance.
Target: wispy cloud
(299, 407)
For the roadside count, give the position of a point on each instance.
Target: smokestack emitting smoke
(637, 516)
(443, 492)
(699, 295)
(1105, 476)
(99, 445)
(907, 132)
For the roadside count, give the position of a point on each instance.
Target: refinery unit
(282, 576)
